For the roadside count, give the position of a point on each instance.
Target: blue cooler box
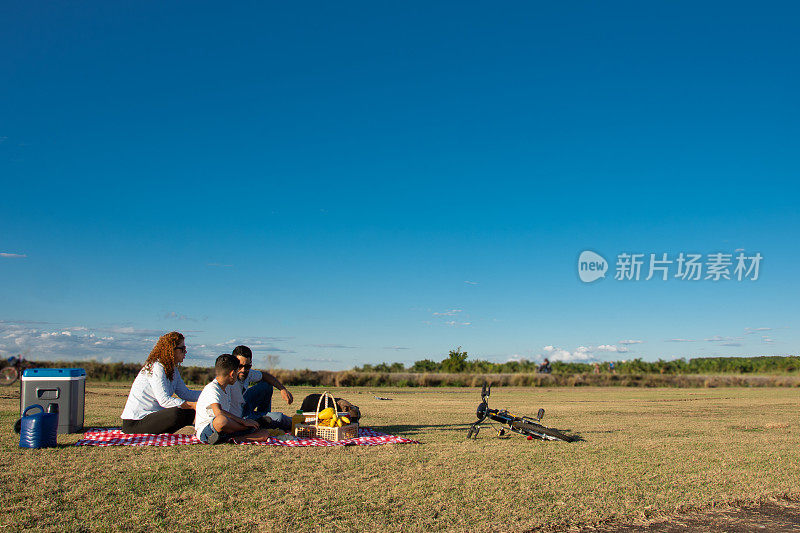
(65, 387)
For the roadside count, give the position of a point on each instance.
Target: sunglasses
(246, 367)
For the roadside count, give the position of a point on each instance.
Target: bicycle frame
(523, 425)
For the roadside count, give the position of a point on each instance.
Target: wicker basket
(314, 430)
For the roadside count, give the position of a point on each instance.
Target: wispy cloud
(454, 323)
(320, 360)
(395, 348)
(451, 312)
(630, 341)
(23, 322)
(731, 344)
(718, 338)
(680, 340)
(343, 346)
(257, 344)
(13, 256)
(130, 330)
(750, 331)
(471, 282)
(172, 315)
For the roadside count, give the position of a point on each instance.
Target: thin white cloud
(731, 344)
(630, 341)
(13, 256)
(130, 330)
(259, 346)
(342, 346)
(750, 331)
(451, 312)
(454, 323)
(718, 338)
(471, 282)
(172, 315)
(320, 360)
(680, 340)
(396, 348)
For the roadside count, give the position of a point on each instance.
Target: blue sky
(340, 184)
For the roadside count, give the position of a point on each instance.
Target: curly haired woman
(151, 407)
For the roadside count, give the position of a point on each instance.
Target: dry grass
(645, 453)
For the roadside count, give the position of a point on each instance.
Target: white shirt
(212, 393)
(153, 391)
(238, 388)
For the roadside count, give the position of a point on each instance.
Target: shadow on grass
(414, 429)
(418, 428)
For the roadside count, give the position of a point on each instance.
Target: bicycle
(12, 372)
(523, 425)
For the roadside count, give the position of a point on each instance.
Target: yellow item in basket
(344, 419)
(339, 423)
(327, 413)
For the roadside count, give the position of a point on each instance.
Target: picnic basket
(314, 430)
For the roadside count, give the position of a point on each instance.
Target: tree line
(456, 363)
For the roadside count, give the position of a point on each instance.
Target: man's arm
(275, 382)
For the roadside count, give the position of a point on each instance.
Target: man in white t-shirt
(251, 394)
(214, 422)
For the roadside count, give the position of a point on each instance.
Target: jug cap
(25, 413)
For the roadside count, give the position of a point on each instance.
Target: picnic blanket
(115, 437)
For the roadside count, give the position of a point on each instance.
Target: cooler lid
(53, 373)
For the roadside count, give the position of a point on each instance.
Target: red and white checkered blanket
(115, 437)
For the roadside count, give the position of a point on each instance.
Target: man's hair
(225, 364)
(244, 351)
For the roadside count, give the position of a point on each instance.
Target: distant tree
(426, 365)
(455, 362)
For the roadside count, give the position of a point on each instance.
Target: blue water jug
(38, 430)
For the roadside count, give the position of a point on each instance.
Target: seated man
(343, 406)
(255, 402)
(545, 367)
(214, 423)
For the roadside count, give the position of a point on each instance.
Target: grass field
(644, 453)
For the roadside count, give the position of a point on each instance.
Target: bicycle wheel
(541, 432)
(8, 375)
